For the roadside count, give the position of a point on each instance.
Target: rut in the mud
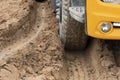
(93, 64)
(39, 55)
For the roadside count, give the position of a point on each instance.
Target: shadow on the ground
(114, 46)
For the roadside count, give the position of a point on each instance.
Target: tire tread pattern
(73, 32)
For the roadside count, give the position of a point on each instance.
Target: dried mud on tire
(37, 54)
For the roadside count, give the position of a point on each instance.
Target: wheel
(72, 32)
(55, 5)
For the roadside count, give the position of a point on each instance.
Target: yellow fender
(99, 12)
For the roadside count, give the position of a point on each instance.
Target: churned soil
(30, 47)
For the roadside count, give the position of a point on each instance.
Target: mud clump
(42, 57)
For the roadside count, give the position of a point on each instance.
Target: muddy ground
(30, 48)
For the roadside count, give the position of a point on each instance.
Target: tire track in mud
(79, 66)
(92, 64)
(39, 55)
(12, 49)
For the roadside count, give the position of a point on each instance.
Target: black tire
(72, 32)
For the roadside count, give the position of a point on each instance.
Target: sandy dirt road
(33, 50)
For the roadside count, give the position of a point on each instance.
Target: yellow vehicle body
(99, 12)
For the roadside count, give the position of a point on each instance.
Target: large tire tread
(73, 32)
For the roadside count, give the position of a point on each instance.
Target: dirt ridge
(39, 54)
